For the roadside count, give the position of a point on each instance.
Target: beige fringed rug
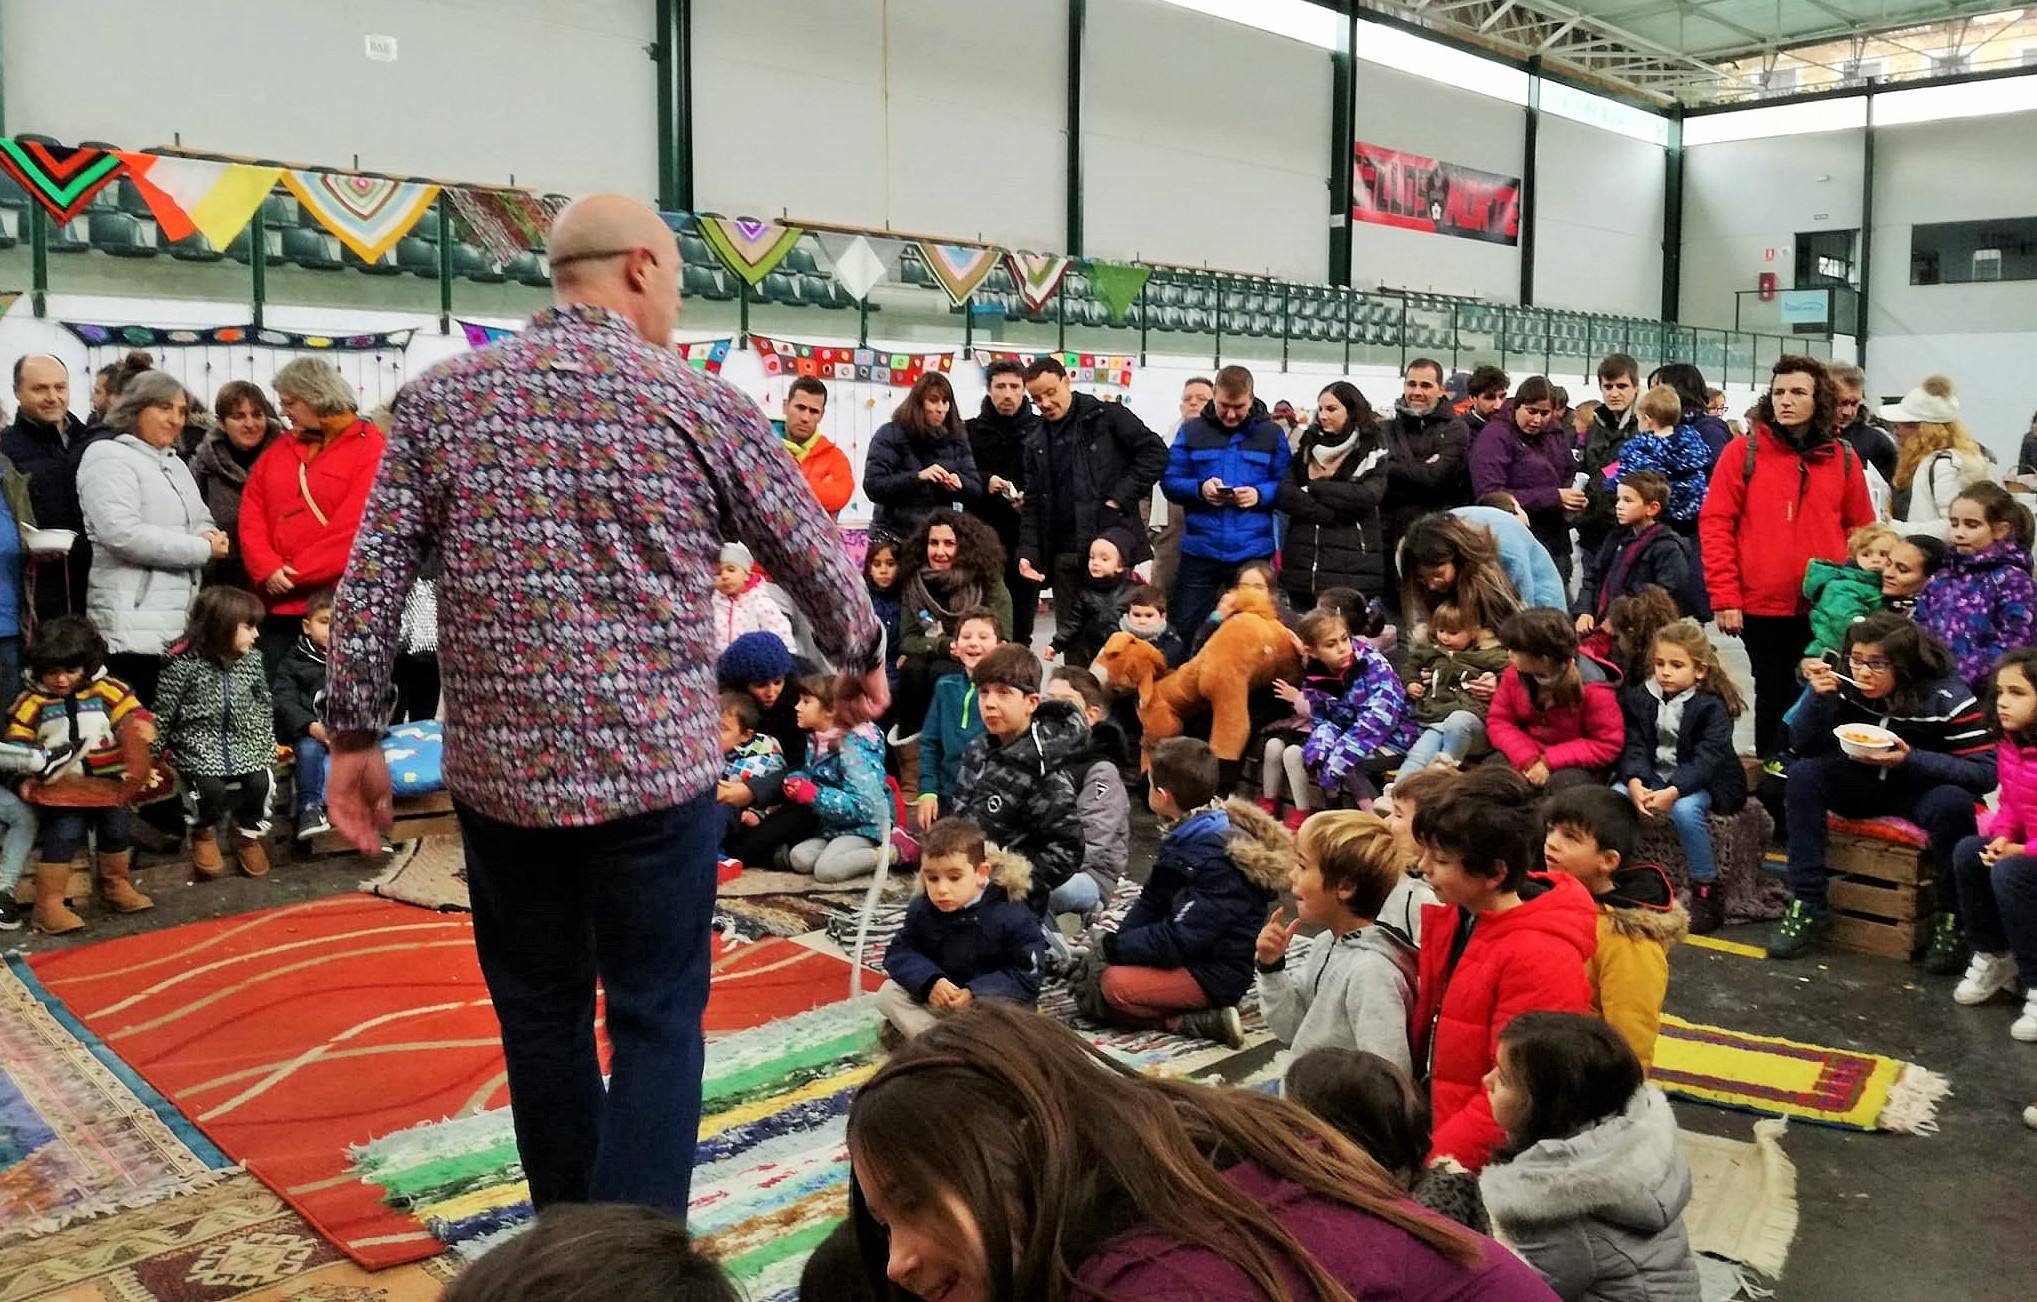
(1743, 1198)
(430, 873)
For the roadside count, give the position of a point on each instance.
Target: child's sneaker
(1800, 928)
(1986, 976)
(1222, 1025)
(1707, 910)
(312, 822)
(10, 913)
(2024, 1028)
(1294, 819)
(727, 870)
(904, 846)
(2030, 1116)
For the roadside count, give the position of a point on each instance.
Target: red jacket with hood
(1760, 532)
(1528, 959)
(303, 510)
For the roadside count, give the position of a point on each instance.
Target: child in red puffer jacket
(1556, 715)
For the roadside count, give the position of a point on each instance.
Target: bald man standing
(41, 443)
(579, 480)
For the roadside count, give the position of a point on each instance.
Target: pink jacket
(2016, 814)
(750, 611)
(1584, 736)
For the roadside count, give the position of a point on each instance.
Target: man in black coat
(997, 437)
(1087, 468)
(41, 443)
(1857, 424)
(1428, 461)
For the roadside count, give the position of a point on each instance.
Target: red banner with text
(1390, 188)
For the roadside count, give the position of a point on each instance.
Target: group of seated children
(84, 751)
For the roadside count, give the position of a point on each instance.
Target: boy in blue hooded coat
(968, 933)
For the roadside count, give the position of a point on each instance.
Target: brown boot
(52, 916)
(116, 887)
(205, 860)
(253, 855)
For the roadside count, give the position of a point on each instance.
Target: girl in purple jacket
(1983, 601)
(1354, 708)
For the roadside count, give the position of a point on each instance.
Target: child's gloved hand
(800, 791)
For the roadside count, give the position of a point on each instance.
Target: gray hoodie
(1600, 1214)
(1352, 992)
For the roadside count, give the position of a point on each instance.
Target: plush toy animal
(1248, 651)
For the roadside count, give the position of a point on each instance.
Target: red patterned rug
(291, 1034)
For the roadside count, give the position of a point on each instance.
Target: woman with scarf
(1331, 495)
(951, 564)
(920, 460)
(247, 425)
(1522, 451)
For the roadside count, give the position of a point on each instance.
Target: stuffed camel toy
(1248, 651)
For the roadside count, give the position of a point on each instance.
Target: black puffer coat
(1333, 532)
(891, 478)
(1428, 466)
(1098, 452)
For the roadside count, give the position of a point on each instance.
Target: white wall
(559, 95)
(1204, 142)
(938, 117)
(1418, 116)
(1598, 220)
(1744, 197)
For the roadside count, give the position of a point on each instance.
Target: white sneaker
(2024, 1028)
(1986, 976)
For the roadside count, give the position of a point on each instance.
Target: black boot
(1948, 952)
(1707, 911)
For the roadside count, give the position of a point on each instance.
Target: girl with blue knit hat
(759, 664)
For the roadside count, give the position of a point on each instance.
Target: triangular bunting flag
(854, 264)
(705, 354)
(506, 222)
(959, 267)
(751, 249)
(1037, 276)
(7, 297)
(480, 336)
(188, 195)
(368, 213)
(63, 178)
(1117, 284)
(847, 364)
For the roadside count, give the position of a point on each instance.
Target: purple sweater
(1533, 469)
(1368, 1256)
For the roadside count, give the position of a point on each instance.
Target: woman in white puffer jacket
(1938, 460)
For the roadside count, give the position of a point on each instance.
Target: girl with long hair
(1447, 559)
(1000, 1156)
(1995, 870)
(1331, 495)
(1556, 715)
(1983, 600)
(920, 459)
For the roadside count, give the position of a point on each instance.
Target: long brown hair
(1482, 586)
(1690, 636)
(911, 415)
(216, 617)
(1546, 635)
(1005, 1110)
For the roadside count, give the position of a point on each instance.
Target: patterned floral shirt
(579, 483)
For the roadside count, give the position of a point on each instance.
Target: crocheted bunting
(1117, 284)
(860, 365)
(1114, 370)
(1037, 276)
(505, 222)
(751, 249)
(705, 354)
(855, 264)
(959, 267)
(197, 195)
(480, 336)
(63, 178)
(368, 213)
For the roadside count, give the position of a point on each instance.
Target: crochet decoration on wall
(846, 363)
(95, 335)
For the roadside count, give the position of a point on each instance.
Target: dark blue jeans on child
(1998, 904)
(628, 903)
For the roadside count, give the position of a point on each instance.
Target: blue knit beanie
(753, 658)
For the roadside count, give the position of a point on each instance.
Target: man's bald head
(42, 385)
(608, 250)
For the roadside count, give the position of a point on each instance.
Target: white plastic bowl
(51, 540)
(1881, 739)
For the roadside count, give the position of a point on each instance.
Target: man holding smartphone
(1223, 470)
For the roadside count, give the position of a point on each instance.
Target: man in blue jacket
(1223, 469)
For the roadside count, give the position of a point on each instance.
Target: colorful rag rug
(759, 916)
(63, 178)
(1781, 1078)
(368, 213)
(262, 1028)
(505, 222)
(232, 1239)
(751, 249)
(80, 1134)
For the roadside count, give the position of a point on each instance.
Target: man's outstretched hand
(358, 797)
(859, 698)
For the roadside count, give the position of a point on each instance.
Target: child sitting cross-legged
(217, 727)
(1678, 758)
(1556, 715)
(1842, 594)
(1589, 833)
(1504, 941)
(98, 738)
(1592, 1187)
(1015, 781)
(967, 935)
(842, 783)
(294, 689)
(953, 720)
(749, 759)
(1354, 990)
(1100, 799)
(758, 666)
(1353, 709)
(1183, 956)
(1450, 655)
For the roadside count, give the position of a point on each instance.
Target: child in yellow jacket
(1589, 832)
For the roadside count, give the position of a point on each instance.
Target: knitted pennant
(1083, 368)
(480, 336)
(751, 249)
(63, 178)
(705, 354)
(847, 364)
(1037, 276)
(157, 337)
(854, 264)
(959, 267)
(368, 213)
(7, 297)
(197, 195)
(505, 222)
(1117, 285)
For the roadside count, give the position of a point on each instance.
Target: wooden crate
(1881, 894)
(1868, 856)
(415, 817)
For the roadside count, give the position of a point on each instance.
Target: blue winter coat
(1683, 457)
(1213, 878)
(849, 796)
(993, 948)
(1253, 456)
(952, 722)
(1527, 562)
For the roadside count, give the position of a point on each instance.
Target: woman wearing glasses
(1920, 750)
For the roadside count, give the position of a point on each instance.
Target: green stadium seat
(418, 255)
(528, 268)
(694, 249)
(72, 237)
(800, 261)
(312, 250)
(120, 234)
(819, 291)
(384, 266)
(470, 263)
(696, 281)
(777, 288)
(194, 248)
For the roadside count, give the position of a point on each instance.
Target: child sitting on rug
(1502, 942)
(1351, 708)
(749, 759)
(967, 935)
(1359, 979)
(843, 783)
(1376, 1106)
(98, 736)
(295, 689)
(953, 720)
(1592, 1188)
(1556, 715)
(1589, 833)
(216, 725)
(759, 666)
(742, 601)
(574, 1251)
(1183, 956)
(1016, 781)
(1452, 653)
(1101, 803)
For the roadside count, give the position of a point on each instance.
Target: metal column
(1078, 16)
(1530, 122)
(1343, 148)
(1672, 217)
(1866, 226)
(672, 48)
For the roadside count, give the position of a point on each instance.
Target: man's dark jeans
(629, 903)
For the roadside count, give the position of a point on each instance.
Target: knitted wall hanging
(96, 335)
(959, 267)
(505, 223)
(63, 178)
(1038, 276)
(1114, 370)
(751, 249)
(187, 195)
(1117, 284)
(855, 263)
(368, 213)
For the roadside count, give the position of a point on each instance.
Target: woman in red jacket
(304, 497)
(1783, 495)
(1556, 716)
